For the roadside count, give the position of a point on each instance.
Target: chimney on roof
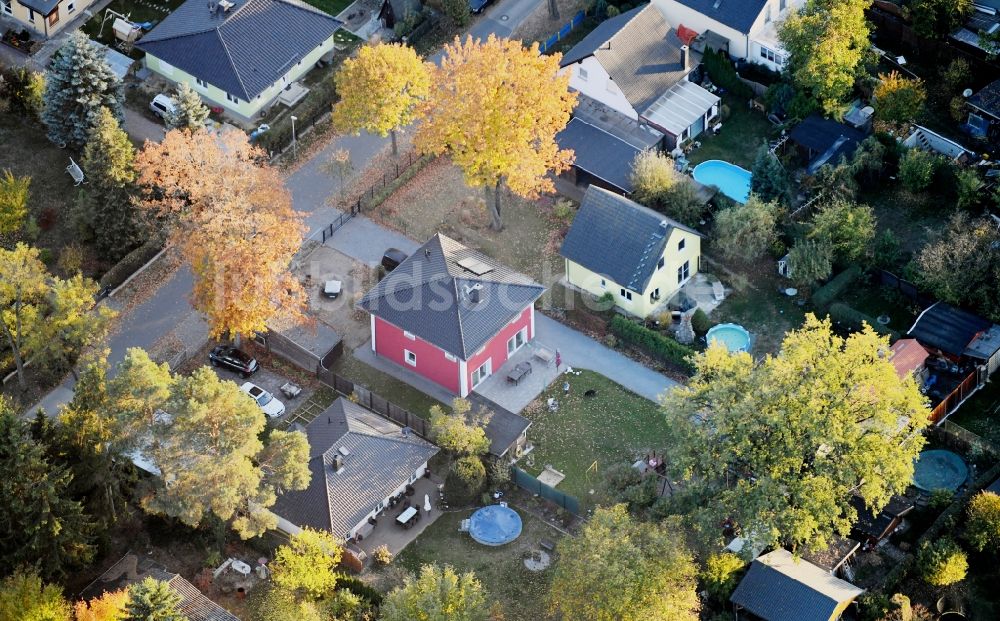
(684, 57)
(474, 293)
(337, 463)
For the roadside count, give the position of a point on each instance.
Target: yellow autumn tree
(495, 107)
(232, 218)
(108, 607)
(380, 90)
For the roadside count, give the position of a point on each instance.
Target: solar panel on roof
(475, 266)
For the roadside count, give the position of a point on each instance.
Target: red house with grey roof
(451, 314)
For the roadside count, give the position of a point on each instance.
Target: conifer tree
(189, 111)
(106, 206)
(153, 600)
(78, 84)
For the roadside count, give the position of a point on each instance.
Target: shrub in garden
(654, 343)
(769, 179)
(983, 526)
(968, 187)
(382, 555)
(470, 471)
(846, 226)
(700, 322)
(853, 319)
(653, 174)
(811, 261)
(721, 574)
(940, 498)
(916, 169)
(745, 232)
(886, 251)
(898, 99)
(722, 73)
(832, 290)
(942, 562)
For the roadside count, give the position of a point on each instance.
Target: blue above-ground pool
(734, 337)
(495, 525)
(939, 469)
(731, 180)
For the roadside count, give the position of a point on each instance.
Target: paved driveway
(581, 351)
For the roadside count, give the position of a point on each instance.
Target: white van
(161, 105)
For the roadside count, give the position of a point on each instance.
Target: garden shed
(823, 141)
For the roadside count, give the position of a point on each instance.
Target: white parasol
(427, 503)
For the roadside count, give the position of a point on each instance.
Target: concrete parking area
(272, 381)
(324, 264)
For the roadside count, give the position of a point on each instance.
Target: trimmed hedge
(853, 318)
(825, 295)
(361, 589)
(653, 343)
(131, 262)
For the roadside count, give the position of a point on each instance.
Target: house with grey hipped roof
(454, 316)
(241, 55)
(358, 461)
(131, 568)
(780, 587)
(741, 29)
(620, 248)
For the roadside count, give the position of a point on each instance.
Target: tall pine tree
(189, 111)
(153, 600)
(40, 524)
(106, 207)
(78, 84)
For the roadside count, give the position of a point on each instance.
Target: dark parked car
(477, 6)
(392, 258)
(233, 359)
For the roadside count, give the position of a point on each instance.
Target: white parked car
(162, 105)
(268, 404)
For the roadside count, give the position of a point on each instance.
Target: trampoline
(734, 337)
(495, 525)
(939, 469)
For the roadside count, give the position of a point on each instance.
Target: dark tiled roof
(947, 328)
(779, 588)
(244, 50)
(618, 238)
(429, 295)
(195, 605)
(599, 153)
(379, 459)
(988, 99)
(639, 50)
(819, 134)
(737, 14)
(872, 525)
(503, 428)
(44, 7)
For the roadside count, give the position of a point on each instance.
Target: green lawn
(611, 427)
(873, 300)
(384, 385)
(742, 133)
(137, 12)
(981, 413)
(757, 303)
(500, 569)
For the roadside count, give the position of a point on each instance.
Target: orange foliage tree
(495, 107)
(229, 212)
(108, 607)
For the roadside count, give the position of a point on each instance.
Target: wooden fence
(905, 287)
(380, 405)
(950, 403)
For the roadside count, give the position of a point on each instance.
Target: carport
(310, 345)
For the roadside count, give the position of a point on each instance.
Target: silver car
(265, 400)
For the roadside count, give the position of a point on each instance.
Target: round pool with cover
(939, 469)
(495, 525)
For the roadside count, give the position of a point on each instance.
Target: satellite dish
(967, 93)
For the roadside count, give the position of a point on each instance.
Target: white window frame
(654, 294)
(681, 244)
(201, 83)
(410, 357)
(232, 98)
(513, 345)
(768, 54)
(31, 15)
(661, 263)
(409, 335)
(450, 357)
(604, 284)
(582, 73)
(684, 272)
(488, 366)
(625, 294)
(71, 8)
(8, 6)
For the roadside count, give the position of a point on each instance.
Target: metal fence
(381, 406)
(527, 482)
(567, 28)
